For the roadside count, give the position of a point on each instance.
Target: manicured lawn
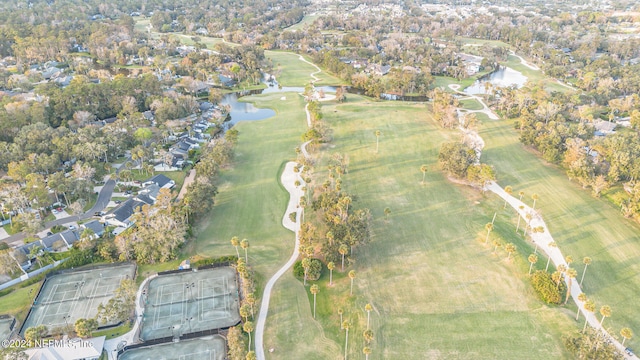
(294, 72)
(18, 302)
(251, 202)
(471, 104)
(536, 75)
(437, 292)
(306, 21)
(580, 224)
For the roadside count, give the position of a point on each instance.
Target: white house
(68, 349)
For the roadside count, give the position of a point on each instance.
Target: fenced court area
(67, 297)
(207, 348)
(190, 301)
(6, 326)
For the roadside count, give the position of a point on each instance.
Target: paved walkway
(187, 181)
(288, 180)
(485, 109)
(542, 240)
(132, 337)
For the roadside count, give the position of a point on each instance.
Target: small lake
(244, 111)
(502, 77)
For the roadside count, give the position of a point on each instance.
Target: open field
(306, 21)
(580, 224)
(207, 348)
(294, 72)
(190, 301)
(436, 292)
(471, 104)
(73, 295)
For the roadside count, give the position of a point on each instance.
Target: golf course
(437, 291)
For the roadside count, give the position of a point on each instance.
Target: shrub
(315, 270)
(292, 216)
(546, 288)
(214, 261)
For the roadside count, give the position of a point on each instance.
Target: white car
(72, 227)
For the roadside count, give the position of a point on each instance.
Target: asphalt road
(101, 203)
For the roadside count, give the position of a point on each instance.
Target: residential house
(96, 226)
(162, 181)
(604, 128)
(120, 216)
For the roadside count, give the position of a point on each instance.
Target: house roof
(160, 180)
(123, 212)
(605, 126)
(96, 226)
(74, 349)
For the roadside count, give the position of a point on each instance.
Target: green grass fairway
(437, 292)
(294, 72)
(471, 104)
(305, 22)
(580, 224)
(251, 201)
(536, 76)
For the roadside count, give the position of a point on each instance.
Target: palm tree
(508, 189)
(235, 242)
(245, 245)
(533, 258)
(568, 259)
(368, 309)
(626, 334)
(387, 212)
(366, 351)
(378, 133)
(521, 207)
(510, 248)
(551, 245)
(424, 169)
(330, 237)
(331, 265)
(345, 325)
(314, 290)
(340, 312)
(343, 250)
(251, 355)
(251, 300)
(368, 335)
(248, 328)
(245, 311)
(605, 311)
(521, 194)
(496, 244)
(571, 274)
(535, 198)
(582, 297)
(586, 261)
(352, 275)
(589, 306)
(488, 227)
(306, 264)
(536, 230)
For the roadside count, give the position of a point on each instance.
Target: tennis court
(5, 327)
(190, 301)
(70, 296)
(206, 348)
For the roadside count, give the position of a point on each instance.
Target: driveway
(101, 203)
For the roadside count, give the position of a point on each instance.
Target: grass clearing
(580, 224)
(251, 201)
(471, 104)
(291, 71)
(305, 22)
(436, 291)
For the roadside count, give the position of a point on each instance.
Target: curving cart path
(542, 240)
(288, 179)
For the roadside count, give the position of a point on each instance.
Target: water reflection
(503, 77)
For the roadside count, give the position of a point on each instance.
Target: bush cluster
(548, 290)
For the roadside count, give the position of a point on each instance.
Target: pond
(502, 77)
(244, 111)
